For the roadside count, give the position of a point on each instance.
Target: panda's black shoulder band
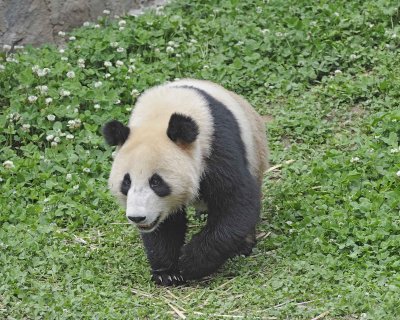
(115, 133)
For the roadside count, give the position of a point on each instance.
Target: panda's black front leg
(163, 246)
(228, 232)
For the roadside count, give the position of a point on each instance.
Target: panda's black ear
(115, 133)
(182, 129)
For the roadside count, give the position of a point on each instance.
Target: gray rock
(39, 21)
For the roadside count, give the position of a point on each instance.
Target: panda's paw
(167, 278)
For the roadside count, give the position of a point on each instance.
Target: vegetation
(325, 74)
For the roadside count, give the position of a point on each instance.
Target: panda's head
(154, 173)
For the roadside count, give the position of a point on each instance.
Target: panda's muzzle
(145, 227)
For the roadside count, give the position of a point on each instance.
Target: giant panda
(189, 142)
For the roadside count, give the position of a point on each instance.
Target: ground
(324, 76)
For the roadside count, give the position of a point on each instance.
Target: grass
(325, 76)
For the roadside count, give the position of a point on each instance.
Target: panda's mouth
(148, 227)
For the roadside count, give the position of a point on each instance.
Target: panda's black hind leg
(163, 246)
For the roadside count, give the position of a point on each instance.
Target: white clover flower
(259, 10)
(353, 56)
(354, 159)
(336, 14)
(73, 124)
(114, 44)
(398, 173)
(116, 16)
(71, 74)
(57, 139)
(264, 31)
(68, 177)
(97, 26)
(98, 84)
(54, 144)
(107, 12)
(127, 77)
(194, 41)
(11, 59)
(2, 67)
(42, 72)
(69, 136)
(119, 63)
(64, 58)
(178, 55)
(48, 100)
(61, 51)
(121, 28)
(76, 110)
(76, 187)
(170, 49)
(395, 150)
(43, 89)
(80, 60)
(239, 43)
(107, 64)
(64, 93)
(122, 23)
(157, 50)
(171, 43)
(86, 24)
(206, 67)
(8, 164)
(87, 170)
(50, 137)
(96, 106)
(120, 49)
(135, 92)
(32, 99)
(6, 47)
(394, 36)
(107, 75)
(338, 72)
(51, 117)
(72, 38)
(26, 127)
(61, 33)
(81, 63)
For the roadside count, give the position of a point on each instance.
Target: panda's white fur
(148, 150)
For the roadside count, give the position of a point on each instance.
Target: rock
(39, 21)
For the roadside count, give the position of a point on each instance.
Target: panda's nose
(136, 219)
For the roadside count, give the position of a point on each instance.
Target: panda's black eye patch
(159, 186)
(126, 184)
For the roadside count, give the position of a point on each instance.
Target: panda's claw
(165, 278)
